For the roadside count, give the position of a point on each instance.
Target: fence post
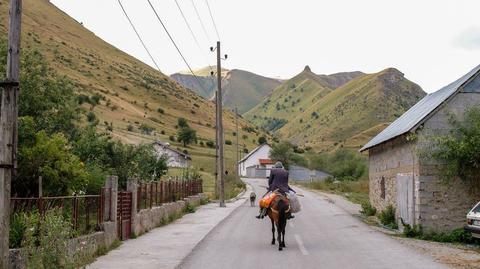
(132, 186)
(113, 203)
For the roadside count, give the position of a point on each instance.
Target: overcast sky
(432, 41)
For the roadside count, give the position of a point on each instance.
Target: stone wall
(388, 160)
(83, 246)
(443, 206)
(148, 219)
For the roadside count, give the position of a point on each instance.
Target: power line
(213, 21)
(188, 24)
(175, 44)
(193, 34)
(138, 35)
(201, 22)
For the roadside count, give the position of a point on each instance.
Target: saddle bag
(295, 206)
(267, 200)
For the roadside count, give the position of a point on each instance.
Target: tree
(262, 140)
(187, 135)
(182, 123)
(459, 151)
(151, 166)
(282, 152)
(51, 158)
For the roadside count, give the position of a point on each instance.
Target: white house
(176, 158)
(255, 160)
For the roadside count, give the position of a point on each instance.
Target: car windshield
(476, 209)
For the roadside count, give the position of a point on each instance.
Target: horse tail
(282, 213)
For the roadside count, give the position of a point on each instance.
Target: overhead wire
(201, 21)
(213, 20)
(138, 35)
(175, 44)
(193, 34)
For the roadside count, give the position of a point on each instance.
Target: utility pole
(236, 150)
(217, 185)
(9, 126)
(220, 140)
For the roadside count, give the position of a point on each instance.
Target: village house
(176, 158)
(257, 163)
(403, 176)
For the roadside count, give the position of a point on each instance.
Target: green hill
(132, 93)
(242, 89)
(308, 110)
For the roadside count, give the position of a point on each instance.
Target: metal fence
(85, 212)
(156, 193)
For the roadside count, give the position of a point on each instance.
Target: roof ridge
(420, 111)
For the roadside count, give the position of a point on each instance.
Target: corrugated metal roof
(410, 119)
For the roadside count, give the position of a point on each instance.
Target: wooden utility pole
(220, 165)
(236, 150)
(217, 183)
(9, 126)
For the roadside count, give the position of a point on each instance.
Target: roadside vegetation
(347, 167)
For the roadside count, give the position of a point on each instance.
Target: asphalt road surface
(321, 236)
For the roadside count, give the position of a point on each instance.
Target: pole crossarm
(6, 84)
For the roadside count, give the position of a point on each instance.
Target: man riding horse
(277, 182)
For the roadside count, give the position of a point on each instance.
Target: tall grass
(354, 191)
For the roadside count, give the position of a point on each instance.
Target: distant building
(300, 173)
(176, 158)
(250, 165)
(400, 175)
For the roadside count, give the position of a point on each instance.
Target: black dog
(253, 197)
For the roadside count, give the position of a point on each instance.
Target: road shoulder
(453, 255)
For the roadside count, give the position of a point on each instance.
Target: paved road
(321, 236)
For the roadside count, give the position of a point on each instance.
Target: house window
(382, 188)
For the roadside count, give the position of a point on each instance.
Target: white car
(473, 221)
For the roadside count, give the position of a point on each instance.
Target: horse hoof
(280, 249)
(273, 242)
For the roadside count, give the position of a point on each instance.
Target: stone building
(402, 175)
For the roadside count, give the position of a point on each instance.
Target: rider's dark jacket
(278, 180)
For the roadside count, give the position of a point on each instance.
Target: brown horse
(279, 208)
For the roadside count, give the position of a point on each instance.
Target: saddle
(272, 198)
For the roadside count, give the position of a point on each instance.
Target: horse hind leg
(279, 238)
(283, 238)
(273, 232)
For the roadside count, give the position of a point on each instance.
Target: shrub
(46, 241)
(146, 129)
(228, 142)
(162, 132)
(210, 144)
(202, 144)
(368, 210)
(172, 138)
(91, 117)
(262, 140)
(387, 217)
(190, 209)
(160, 110)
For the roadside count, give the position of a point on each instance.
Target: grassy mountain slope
(289, 100)
(242, 89)
(346, 116)
(132, 93)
